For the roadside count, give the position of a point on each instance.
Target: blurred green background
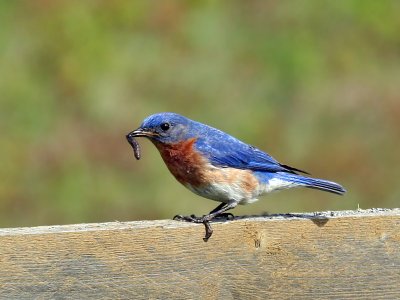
(314, 83)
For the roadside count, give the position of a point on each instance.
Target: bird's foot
(204, 219)
(194, 219)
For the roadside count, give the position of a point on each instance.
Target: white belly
(234, 190)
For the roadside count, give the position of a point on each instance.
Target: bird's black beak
(140, 132)
(135, 133)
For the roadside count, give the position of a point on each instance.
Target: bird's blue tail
(313, 183)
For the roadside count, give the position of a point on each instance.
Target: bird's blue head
(166, 128)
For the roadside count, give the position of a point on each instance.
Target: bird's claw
(191, 218)
(225, 217)
(209, 231)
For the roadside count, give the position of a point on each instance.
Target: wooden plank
(330, 255)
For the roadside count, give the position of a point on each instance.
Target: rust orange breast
(183, 161)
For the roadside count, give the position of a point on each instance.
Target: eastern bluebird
(217, 166)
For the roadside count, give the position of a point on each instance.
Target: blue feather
(314, 183)
(223, 150)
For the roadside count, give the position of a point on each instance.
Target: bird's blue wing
(224, 150)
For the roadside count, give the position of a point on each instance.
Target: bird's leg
(222, 215)
(227, 216)
(219, 210)
(221, 205)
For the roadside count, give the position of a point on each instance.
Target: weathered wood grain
(338, 255)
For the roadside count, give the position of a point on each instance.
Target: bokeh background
(315, 83)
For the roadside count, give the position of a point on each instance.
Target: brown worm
(135, 146)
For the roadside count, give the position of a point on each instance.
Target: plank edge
(131, 225)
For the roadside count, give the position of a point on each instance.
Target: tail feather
(314, 183)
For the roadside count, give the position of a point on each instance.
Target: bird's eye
(165, 126)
